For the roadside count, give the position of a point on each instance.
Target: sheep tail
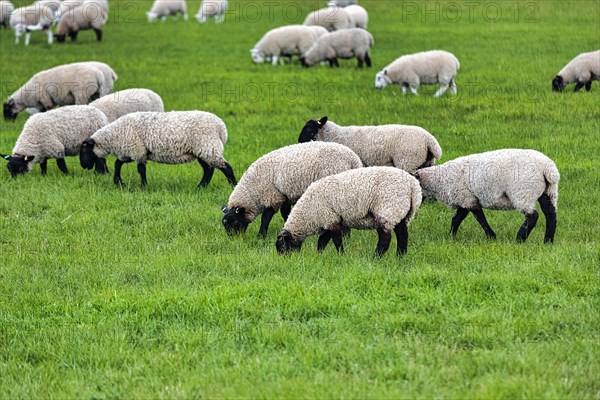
(552, 176)
(435, 150)
(415, 202)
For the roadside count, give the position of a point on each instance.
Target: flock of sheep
(336, 177)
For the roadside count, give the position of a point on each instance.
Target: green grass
(112, 292)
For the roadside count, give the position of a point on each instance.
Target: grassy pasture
(110, 292)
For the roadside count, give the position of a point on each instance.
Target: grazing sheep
(381, 198)
(402, 146)
(345, 43)
(110, 76)
(6, 8)
(59, 86)
(212, 9)
(359, 15)
(286, 41)
(583, 69)
(55, 134)
(34, 17)
(277, 180)
(509, 179)
(174, 137)
(330, 18)
(124, 102)
(163, 8)
(80, 19)
(428, 67)
(53, 5)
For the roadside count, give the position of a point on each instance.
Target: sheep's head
(303, 62)
(382, 79)
(311, 130)
(18, 164)
(60, 38)
(286, 243)
(558, 84)
(87, 157)
(10, 113)
(234, 220)
(152, 16)
(257, 56)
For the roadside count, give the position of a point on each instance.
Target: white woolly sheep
(285, 41)
(277, 180)
(428, 68)
(92, 7)
(212, 9)
(6, 8)
(110, 76)
(331, 18)
(174, 137)
(80, 19)
(345, 43)
(55, 134)
(381, 198)
(359, 15)
(34, 17)
(583, 69)
(341, 3)
(53, 5)
(402, 146)
(124, 102)
(163, 8)
(62, 85)
(509, 179)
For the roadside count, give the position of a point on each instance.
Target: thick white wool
(344, 43)
(331, 18)
(128, 101)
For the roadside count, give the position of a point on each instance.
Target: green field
(133, 292)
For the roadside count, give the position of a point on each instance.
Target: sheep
(174, 137)
(128, 101)
(277, 180)
(110, 76)
(341, 3)
(163, 8)
(62, 85)
(79, 19)
(359, 15)
(402, 146)
(331, 18)
(428, 67)
(92, 7)
(285, 41)
(583, 69)
(6, 8)
(53, 5)
(34, 17)
(381, 198)
(55, 134)
(508, 179)
(212, 9)
(345, 43)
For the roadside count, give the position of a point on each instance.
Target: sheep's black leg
(335, 62)
(578, 86)
(98, 34)
(588, 85)
(458, 218)
(117, 178)
(228, 172)
(267, 215)
(141, 167)
(208, 173)
(385, 238)
(528, 225)
(368, 59)
(73, 35)
(285, 210)
(550, 214)
(60, 162)
(346, 231)
(401, 237)
(480, 217)
(323, 240)
(101, 167)
(360, 62)
(330, 62)
(44, 167)
(336, 236)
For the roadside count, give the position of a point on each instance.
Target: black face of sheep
(9, 111)
(311, 130)
(558, 84)
(60, 38)
(87, 158)
(303, 62)
(234, 220)
(18, 164)
(286, 243)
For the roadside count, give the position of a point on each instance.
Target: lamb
(128, 101)
(331, 18)
(80, 19)
(402, 146)
(163, 8)
(345, 43)
(6, 8)
(277, 180)
(583, 69)
(212, 9)
(34, 17)
(286, 41)
(508, 179)
(174, 137)
(381, 198)
(55, 134)
(359, 15)
(428, 67)
(62, 85)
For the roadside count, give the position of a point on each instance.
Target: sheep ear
(239, 210)
(224, 208)
(6, 157)
(385, 71)
(28, 158)
(322, 121)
